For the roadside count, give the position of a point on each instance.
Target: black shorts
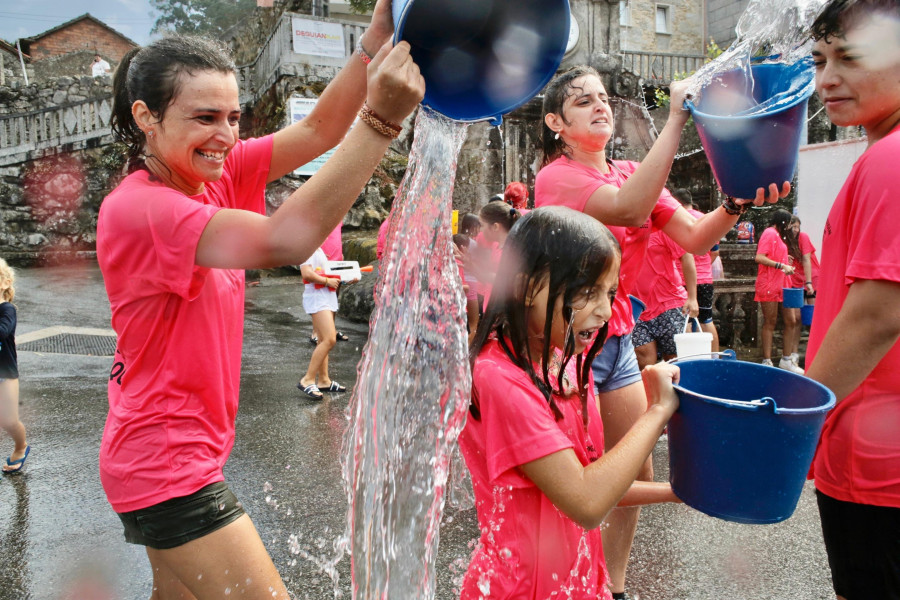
(660, 329)
(178, 521)
(863, 546)
(705, 293)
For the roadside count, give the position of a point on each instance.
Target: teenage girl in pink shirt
(533, 441)
(173, 240)
(631, 199)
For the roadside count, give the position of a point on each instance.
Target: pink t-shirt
(769, 280)
(703, 262)
(527, 548)
(657, 285)
(798, 279)
(173, 389)
(858, 459)
(565, 182)
(333, 246)
(381, 244)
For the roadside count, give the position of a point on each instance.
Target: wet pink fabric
(527, 548)
(658, 286)
(769, 280)
(858, 459)
(565, 182)
(173, 388)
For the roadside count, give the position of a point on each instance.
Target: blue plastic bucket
(743, 437)
(483, 58)
(792, 297)
(748, 151)
(637, 307)
(806, 314)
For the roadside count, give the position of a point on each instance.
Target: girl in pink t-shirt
(173, 240)
(775, 257)
(631, 199)
(533, 441)
(496, 218)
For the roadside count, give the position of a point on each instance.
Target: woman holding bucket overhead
(631, 199)
(173, 240)
(776, 250)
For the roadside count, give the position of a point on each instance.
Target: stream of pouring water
(414, 382)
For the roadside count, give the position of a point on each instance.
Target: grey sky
(25, 18)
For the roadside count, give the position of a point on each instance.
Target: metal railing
(660, 68)
(23, 134)
(278, 52)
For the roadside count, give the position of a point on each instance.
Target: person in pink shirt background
(631, 200)
(807, 276)
(496, 219)
(853, 344)
(703, 263)
(774, 256)
(669, 302)
(173, 240)
(533, 441)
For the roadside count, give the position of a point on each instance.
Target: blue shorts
(616, 366)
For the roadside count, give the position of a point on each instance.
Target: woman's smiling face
(198, 130)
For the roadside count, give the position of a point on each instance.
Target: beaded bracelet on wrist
(379, 124)
(361, 52)
(733, 208)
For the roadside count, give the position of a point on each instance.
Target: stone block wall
(52, 92)
(685, 19)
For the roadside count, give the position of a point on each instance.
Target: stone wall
(52, 92)
(685, 35)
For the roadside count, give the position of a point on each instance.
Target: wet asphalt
(59, 539)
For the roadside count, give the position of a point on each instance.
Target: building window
(663, 19)
(624, 13)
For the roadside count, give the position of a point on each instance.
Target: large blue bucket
(743, 437)
(806, 314)
(751, 146)
(483, 58)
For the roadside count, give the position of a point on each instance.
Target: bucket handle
(723, 355)
(688, 319)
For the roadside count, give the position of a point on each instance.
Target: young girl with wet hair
(173, 240)
(630, 198)
(777, 254)
(9, 373)
(533, 441)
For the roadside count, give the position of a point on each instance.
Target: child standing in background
(320, 302)
(9, 373)
(533, 441)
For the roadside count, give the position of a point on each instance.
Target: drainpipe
(22, 61)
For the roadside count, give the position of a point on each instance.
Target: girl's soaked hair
(498, 211)
(568, 252)
(7, 272)
(469, 224)
(838, 15)
(555, 95)
(781, 221)
(153, 74)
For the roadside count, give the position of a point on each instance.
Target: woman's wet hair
(838, 15)
(498, 211)
(153, 74)
(555, 95)
(781, 221)
(568, 252)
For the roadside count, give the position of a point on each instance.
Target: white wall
(821, 171)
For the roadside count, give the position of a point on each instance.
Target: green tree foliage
(213, 18)
(361, 6)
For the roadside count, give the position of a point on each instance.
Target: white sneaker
(795, 358)
(788, 365)
(767, 362)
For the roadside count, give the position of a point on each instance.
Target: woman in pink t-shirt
(631, 199)
(172, 242)
(775, 254)
(533, 441)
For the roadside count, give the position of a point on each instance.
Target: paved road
(59, 538)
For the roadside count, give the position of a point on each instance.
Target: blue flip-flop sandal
(13, 463)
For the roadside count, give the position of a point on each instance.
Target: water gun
(343, 270)
(319, 271)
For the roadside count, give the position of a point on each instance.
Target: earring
(149, 133)
(556, 137)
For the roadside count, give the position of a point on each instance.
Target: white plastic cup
(691, 343)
